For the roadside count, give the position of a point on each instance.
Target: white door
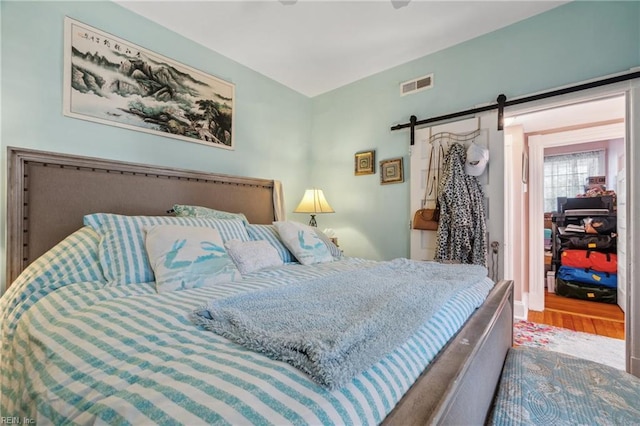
(516, 217)
(621, 191)
(423, 243)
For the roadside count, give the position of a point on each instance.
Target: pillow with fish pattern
(303, 242)
(185, 257)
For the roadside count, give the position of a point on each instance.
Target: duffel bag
(586, 242)
(604, 225)
(602, 262)
(588, 276)
(586, 292)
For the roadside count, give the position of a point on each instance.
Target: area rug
(604, 350)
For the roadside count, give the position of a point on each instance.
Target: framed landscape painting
(112, 81)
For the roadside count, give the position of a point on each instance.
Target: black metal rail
(502, 103)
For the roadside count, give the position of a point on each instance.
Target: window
(565, 175)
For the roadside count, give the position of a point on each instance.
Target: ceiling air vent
(416, 85)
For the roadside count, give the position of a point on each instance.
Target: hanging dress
(461, 236)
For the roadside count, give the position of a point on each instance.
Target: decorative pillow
(205, 212)
(333, 249)
(188, 257)
(303, 242)
(270, 234)
(251, 256)
(122, 252)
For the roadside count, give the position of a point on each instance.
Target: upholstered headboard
(49, 193)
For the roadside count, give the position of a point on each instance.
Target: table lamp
(313, 202)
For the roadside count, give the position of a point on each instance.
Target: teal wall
(272, 122)
(575, 42)
(284, 135)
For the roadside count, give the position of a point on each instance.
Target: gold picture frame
(365, 163)
(391, 171)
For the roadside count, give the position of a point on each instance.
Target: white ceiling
(317, 46)
(599, 110)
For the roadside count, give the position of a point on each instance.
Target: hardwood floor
(603, 319)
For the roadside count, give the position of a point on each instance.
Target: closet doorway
(565, 138)
(593, 126)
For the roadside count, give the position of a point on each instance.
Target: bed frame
(49, 193)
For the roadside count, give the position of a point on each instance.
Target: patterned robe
(462, 233)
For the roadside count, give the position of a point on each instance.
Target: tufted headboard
(49, 193)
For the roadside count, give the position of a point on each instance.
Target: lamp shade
(313, 202)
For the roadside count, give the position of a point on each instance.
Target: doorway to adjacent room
(568, 134)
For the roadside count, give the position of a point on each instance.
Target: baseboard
(634, 365)
(521, 307)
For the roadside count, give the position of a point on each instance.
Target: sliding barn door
(423, 243)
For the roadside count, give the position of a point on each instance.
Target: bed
(87, 352)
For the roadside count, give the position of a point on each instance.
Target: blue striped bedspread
(91, 354)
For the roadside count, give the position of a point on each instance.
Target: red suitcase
(598, 261)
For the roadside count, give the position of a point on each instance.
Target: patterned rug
(604, 350)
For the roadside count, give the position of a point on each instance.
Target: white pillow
(251, 256)
(269, 233)
(188, 257)
(303, 242)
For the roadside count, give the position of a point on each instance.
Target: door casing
(631, 89)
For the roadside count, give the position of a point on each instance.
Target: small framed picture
(365, 163)
(391, 171)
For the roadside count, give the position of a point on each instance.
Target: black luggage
(589, 242)
(582, 291)
(604, 225)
